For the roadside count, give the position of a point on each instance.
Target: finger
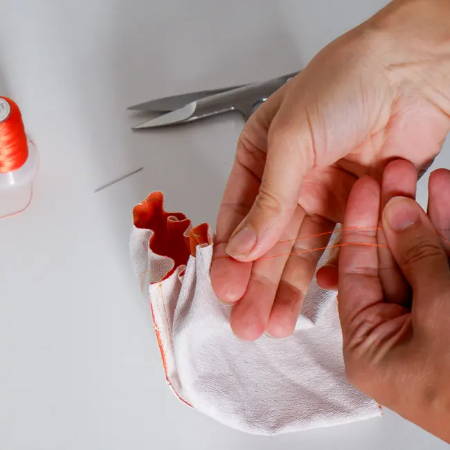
(439, 205)
(290, 155)
(250, 316)
(328, 274)
(325, 190)
(359, 284)
(399, 178)
(417, 249)
(309, 245)
(230, 277)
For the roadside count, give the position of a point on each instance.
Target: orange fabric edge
(172, 238)
(172, 235)
(164, 359)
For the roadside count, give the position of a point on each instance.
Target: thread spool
(18, 161)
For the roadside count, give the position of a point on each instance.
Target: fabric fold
(265, 387)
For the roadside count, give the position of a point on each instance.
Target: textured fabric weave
(264, 387)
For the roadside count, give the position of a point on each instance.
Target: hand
(380, 91)
(399, 355)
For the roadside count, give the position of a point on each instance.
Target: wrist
(419, 25)
(411, 39)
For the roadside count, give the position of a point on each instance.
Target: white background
(79, 365)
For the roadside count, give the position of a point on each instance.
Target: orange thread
(324, 233)
(162, 352)
(13, 140)
(329, 233)
(20, 210)
(312, 250)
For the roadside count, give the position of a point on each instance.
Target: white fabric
(264, 387)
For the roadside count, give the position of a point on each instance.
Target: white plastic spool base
(16, 187)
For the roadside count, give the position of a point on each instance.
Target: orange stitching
(162, 351)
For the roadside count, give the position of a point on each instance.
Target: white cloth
(265, 387)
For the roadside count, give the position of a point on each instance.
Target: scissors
(178, 109)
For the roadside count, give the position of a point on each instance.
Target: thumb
(416, 247)
(289, 157)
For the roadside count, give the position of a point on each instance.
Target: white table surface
(79, 365)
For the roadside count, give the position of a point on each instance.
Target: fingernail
(401, 213)
(242, 242)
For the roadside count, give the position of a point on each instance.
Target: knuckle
(368, 272)
(290, 293)
(287, 134)
(269, 202)
(353, 234)
(282, 132)
(320, 221)
(422, 250)
(286, 137)
(250, 156)
(239, 208)
(304, 254)
(246, 146)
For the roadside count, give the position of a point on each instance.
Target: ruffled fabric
(265, 387)
(172, 236)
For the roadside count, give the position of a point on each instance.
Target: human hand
(399, 354)
(378, 92)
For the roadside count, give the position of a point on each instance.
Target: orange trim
(163, 357)
(168, 229)
(171, 237)
(197, 236)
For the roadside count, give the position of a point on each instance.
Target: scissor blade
(177, 101)
(171, 118)
(243, 99)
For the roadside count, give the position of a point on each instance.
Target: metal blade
(173, 117)
(243, 99)
(177, 101)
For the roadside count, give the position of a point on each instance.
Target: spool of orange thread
(18, 161)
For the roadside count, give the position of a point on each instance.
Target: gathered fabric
(264, 387)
